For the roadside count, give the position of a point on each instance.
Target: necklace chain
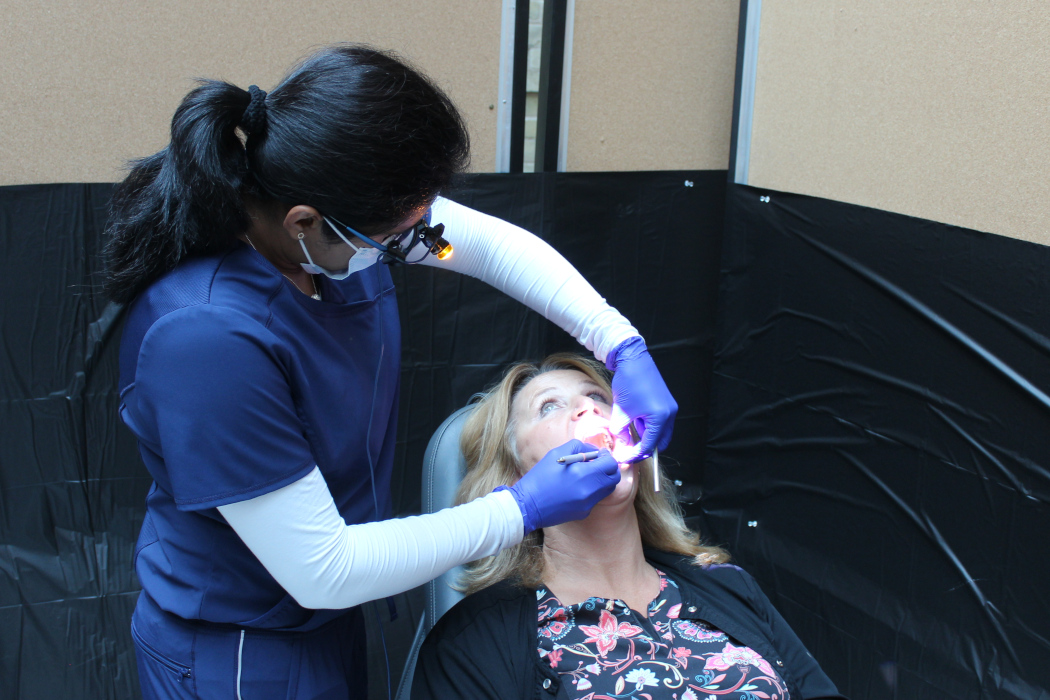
(317, 293)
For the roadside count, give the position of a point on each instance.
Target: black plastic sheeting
(879, 454)
(72, 486)
(647, 241)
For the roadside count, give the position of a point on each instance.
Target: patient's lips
(594, 430)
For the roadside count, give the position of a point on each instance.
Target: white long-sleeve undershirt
(299, 536)
(527, 269)
(297, 532)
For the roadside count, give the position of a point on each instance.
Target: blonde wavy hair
(491, 455)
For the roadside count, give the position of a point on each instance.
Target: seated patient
(623, 604)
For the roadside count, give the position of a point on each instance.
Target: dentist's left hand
(640, 398)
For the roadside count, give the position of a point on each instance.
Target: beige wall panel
(652, 84)
(937, 109)
(88, 84)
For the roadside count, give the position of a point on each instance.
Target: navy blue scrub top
(237, 384)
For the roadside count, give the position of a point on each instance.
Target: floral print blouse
(607, 651)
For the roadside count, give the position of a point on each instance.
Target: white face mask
(361, 259)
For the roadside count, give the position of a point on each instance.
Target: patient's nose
(585, 405)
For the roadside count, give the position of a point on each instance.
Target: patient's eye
(599, 396)
(548, 406)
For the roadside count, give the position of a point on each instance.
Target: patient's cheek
(534, 444)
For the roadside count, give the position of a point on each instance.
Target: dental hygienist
(260, 365)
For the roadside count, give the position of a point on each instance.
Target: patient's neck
(600, 556)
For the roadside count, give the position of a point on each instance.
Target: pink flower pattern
(698, 630)
(555, 620)
(681, 656)
(737, 656)
(605, 651)
(608, 631)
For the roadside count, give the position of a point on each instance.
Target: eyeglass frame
(391, 251)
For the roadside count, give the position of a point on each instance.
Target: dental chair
(443, 469)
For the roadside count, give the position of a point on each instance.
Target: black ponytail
(352, 131)
(183, 201)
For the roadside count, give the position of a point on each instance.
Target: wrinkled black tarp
(71, 484)
(879, 452)
(648, 242)
(72, 487)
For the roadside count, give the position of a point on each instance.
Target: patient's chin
(626, 490)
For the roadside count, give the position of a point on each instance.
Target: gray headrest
(443, 469)
(443, 465)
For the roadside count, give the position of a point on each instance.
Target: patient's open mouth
(595, 432)
(602, 439)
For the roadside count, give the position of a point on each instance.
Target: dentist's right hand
(551, 493)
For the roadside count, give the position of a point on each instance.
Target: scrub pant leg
(180, 660)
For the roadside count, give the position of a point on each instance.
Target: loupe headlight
(398, 250)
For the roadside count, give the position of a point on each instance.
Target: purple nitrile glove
(551, 493)
(641, 398)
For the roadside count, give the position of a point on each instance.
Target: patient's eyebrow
(590, 383)
(553, 389)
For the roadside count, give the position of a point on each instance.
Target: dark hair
(351, 130)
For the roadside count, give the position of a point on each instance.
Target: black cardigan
(485, 646)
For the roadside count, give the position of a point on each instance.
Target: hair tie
(253, 121)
